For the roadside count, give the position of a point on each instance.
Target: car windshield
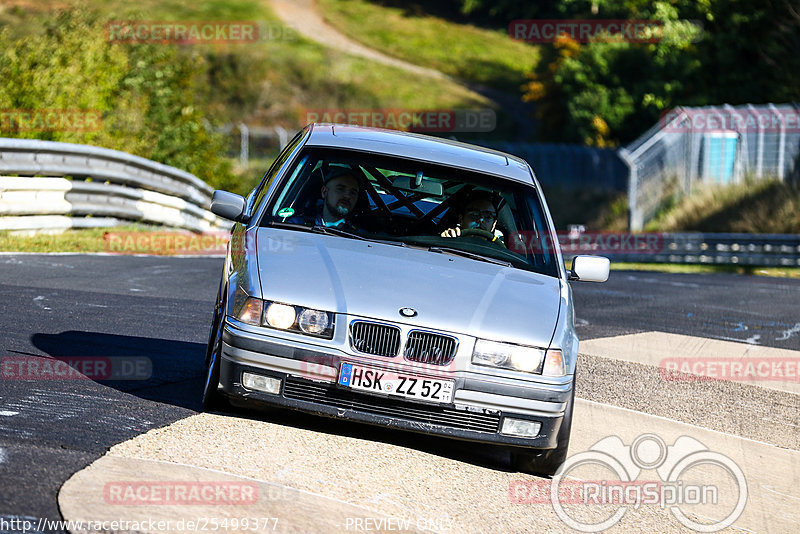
(414, 204)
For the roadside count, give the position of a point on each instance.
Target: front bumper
(308, 383)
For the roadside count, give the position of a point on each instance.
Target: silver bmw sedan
(401, 280)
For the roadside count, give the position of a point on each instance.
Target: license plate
(391, 383)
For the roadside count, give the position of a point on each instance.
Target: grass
(463, 51)
(99, 240)
(273, 82)
(753, 207)
(124, 239)
(757, 207)
(83, 240)
(779, 272)
(278, 79)
(597, 210)
(683, 268)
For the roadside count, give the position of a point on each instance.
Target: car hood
(375, 280)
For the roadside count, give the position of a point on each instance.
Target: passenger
(478, 217)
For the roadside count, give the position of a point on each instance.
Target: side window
(256, 198)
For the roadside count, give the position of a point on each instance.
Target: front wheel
(212, 399)
(543, 463)
(546, 462)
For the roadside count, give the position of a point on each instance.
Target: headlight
(508, 356)
(280, 316)
(308, 321)
(313, 321)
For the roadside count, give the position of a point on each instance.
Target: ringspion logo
(704, 490)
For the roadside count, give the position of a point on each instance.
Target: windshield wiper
(470, 255)
(332, 230)
(316, 229)
(344, 233)
(293, 226)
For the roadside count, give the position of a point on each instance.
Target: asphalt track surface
(160, 308)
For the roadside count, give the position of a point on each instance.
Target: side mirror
(590, 269)
(228, 205)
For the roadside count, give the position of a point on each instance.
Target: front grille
(306, 390)
(424, 347)
(377, 339)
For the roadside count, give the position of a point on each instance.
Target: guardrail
(692, 248)
(65, 185)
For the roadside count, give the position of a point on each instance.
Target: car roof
(421, 147)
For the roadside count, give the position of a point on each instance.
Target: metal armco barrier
(699, 248)
(105, 183)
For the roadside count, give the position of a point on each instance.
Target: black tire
(212, 399)
(546, 462)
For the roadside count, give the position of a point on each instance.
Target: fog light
(521, 427)
(267, 384)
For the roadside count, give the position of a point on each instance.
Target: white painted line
(2, 455)
(789, 333)
(766, 367)
(39, 301)
(7, 413)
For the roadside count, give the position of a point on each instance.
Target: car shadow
(160, 370)
(177, 375)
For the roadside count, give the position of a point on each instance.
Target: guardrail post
(244, 145)
(781, 143)
(635, 222)
(283, 137)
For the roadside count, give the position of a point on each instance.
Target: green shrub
(151, 97)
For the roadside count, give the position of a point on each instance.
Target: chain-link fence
(710, 145)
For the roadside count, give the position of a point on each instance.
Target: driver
(339, 194)
(478, 214)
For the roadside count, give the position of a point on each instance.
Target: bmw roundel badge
(408, 312)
